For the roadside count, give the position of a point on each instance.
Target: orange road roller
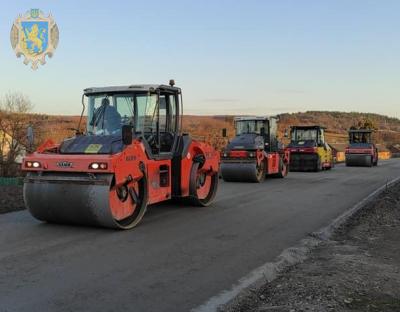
(254, 152)
(132, 154)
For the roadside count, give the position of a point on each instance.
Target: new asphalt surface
(179, 256)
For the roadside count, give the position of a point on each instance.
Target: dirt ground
(358, 270)
(11, 199)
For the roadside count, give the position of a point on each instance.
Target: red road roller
(361, 151)
(133, 154)
(254, 152)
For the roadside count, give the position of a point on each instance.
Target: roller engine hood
(246, 141)
(92, 144)
(303, 143)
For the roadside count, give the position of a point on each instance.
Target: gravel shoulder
(11, 199)
(357, 270)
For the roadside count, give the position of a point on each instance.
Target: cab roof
(249, 118)
(361, 130)
(130, 89)
(308, 127)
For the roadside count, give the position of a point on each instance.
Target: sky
(230, 57)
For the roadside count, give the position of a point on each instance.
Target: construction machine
(309, 150)
(361, 151)
(132, 154)
(254, 152)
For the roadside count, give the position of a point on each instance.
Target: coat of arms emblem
(34, 36)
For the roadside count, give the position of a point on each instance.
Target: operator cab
(254, 133)
(150, 112)
(307, 136)
(360, 137)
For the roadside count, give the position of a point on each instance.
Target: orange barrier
(340, 157)
(384, 155)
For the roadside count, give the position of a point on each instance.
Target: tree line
(15, 109)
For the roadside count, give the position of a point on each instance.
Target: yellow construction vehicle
(309, 150)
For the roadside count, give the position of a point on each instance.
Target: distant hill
(337, 124)
(209, 128)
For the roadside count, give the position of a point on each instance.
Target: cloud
(290, 91)
(220, 100)
(242, 110)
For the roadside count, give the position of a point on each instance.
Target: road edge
(289, 257)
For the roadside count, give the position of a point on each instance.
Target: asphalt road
(179, 256)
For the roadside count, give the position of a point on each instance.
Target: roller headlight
(98, 166)
(33, 164)
(95, 166)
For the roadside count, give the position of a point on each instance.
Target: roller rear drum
(203, 186)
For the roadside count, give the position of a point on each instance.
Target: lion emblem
(33, 39)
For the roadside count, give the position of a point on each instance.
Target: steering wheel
(125, 120)
(152, 140)
(167, 139)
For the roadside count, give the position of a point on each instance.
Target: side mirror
(127, 136)
(224, 133)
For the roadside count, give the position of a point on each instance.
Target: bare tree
(14, 120)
